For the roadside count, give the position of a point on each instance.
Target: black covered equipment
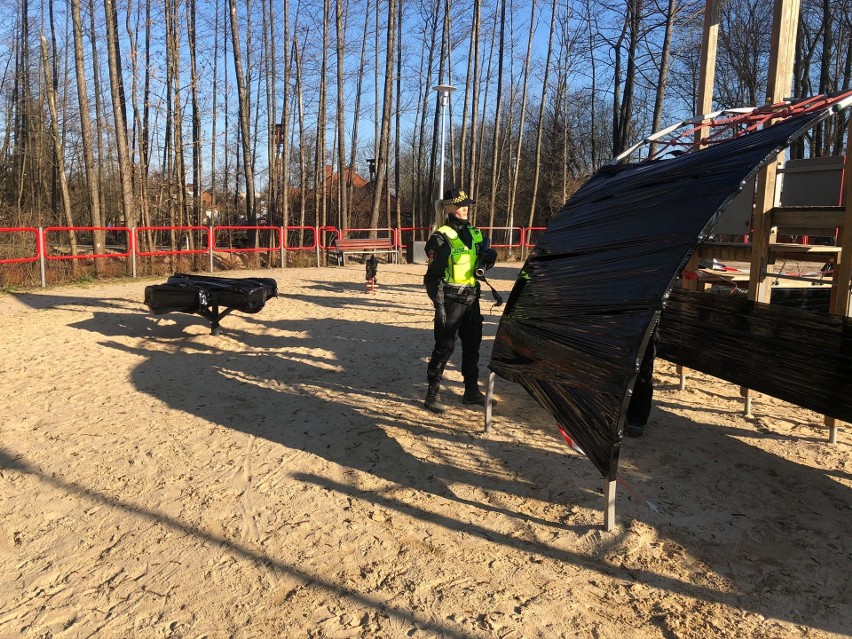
(593, 288)
(210, 297)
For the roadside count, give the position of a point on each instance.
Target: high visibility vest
(462, 260)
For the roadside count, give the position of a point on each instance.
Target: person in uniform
(456, 253)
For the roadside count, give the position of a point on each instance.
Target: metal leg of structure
(746, 394)
(681, 371)
(609, 511)
(831, 422)
(489, 397)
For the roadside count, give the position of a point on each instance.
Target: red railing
(304, 247)
(528, 233)
(503, 231)
(319, 239)
(153, 229)
(409, 229)
(36, 245)
(87, 229)
(323, 230)
(247, 249)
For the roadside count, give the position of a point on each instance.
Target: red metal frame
(86, 256)
(408, 229)
(172, 228)
(735, 125)
(505, 228)
(20, 260)
(310, 247)
(259, 249)
(528, 232)
(322, 230)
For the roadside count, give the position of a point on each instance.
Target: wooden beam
(807, 220)
(778, 85)
(843, 265)
(707, 70)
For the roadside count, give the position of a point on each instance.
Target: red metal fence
(54, 243)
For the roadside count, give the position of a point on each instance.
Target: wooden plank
(778, 85)
(807, 220)
(843, 270)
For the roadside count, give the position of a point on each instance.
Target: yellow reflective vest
(462, 262)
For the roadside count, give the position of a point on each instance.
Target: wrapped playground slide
(594, 287)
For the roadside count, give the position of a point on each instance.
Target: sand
(282, 479)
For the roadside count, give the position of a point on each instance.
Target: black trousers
(639, 408)
(463, 321)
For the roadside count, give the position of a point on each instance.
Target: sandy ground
(283, 480)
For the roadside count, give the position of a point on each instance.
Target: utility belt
(459, 293)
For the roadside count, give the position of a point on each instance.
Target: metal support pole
(283, 247)
(831, 422)
(211, 240)
(41, 251)
(444, 91)
(746, 393)
(489, 397)
(317, 238)
(132, 240)
(609, 506)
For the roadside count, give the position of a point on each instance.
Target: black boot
(433, 401)
(473, 396)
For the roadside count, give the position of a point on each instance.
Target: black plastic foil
(193, 293)
(590, 294)
(802, 357)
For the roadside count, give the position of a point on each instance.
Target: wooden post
(784, 26)
(707, 72)
(706, 82)
(840, 287)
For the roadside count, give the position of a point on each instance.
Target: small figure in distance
(451, 283)
(372, 273)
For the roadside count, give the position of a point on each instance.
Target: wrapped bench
(210, 297)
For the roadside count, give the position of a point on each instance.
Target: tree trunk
(356, 116)
(541, 113)
(85, 129)
(515, 161)
(196, 122)
(495, 144)
(244, 111)
(662, 78)
(343, 209)
(384, 140)
(119, 113)
(58, 152)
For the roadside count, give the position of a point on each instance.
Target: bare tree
(384, 140)
(541, 112)
(497, 124)
(85, 130)
(343, 210)
(58, 151)
(244, 111)
(119, 111)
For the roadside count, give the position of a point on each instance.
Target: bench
(208, 296)
(347, 245)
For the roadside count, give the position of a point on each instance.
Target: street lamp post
(444, 91)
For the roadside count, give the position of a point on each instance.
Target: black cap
(455, 197)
